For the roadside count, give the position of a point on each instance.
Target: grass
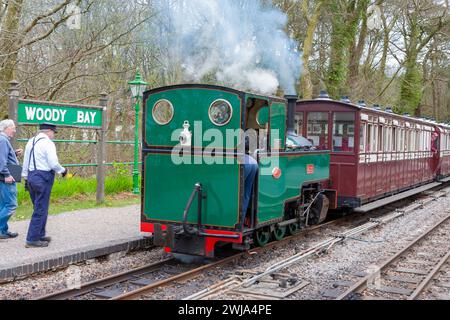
(77, 194)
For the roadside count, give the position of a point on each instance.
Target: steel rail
(429, 277)
(324, 245)
(192, 273)
(362, 284)
(108, 281)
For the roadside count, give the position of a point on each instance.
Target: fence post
(101, 150)
(13, 106)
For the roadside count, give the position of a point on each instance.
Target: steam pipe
(292, 102)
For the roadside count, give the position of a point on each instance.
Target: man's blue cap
(48, 126)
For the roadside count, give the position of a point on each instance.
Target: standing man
(39, 167)
(8, 188)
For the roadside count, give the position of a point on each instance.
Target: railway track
(137, 294)
(410, 271)
(246, 284)
(110, 286)
(135, 284)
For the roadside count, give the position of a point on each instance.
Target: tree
(18, 32)
(311, 21)
(346, 17)
(423, 19)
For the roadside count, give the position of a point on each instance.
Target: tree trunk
(8, 51)
(357, 49)
(346, 17)
(306, 82)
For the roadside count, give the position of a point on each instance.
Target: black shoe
(8, 235)
(46, 239)
(36, 244)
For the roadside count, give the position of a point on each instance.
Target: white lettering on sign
(40, 114)
(86, 117)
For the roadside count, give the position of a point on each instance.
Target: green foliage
(411, 90)
(69, 188)
(121, 169)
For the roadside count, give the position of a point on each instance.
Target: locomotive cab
(193, 174)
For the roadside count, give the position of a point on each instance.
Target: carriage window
(417, 144)
(412, 140)
(372, 135)
(402, 143)
(344, 132)
(318, 129)
(380, 138)
(394, 139)
(387, 139)
(298, 124)
(362, 137)
(369, 137)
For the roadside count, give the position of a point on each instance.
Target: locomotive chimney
(292, 102)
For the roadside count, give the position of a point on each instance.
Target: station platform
(76, 237)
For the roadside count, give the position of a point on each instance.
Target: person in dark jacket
(8, 188)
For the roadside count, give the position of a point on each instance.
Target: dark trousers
(250, 172)
(40, 184)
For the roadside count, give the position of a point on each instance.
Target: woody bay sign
(35, 112)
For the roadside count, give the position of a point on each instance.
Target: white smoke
(241, 43)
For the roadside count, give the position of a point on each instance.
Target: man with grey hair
(8, 188)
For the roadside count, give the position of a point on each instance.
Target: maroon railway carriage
(374, 154)
(444, 152)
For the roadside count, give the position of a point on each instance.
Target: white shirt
(45, 155)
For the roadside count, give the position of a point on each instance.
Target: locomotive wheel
(262, 236)
(292, 228)
(279, 233)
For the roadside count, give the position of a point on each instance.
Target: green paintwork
(279, 233)
(278, 122)
(191, 104)
(168, 187)
(274, 193)
(30, 112)
(263, 116)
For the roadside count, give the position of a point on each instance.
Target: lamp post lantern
(137, 87)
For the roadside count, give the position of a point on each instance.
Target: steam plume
(240, 43)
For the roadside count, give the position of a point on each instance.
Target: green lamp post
(137, 87)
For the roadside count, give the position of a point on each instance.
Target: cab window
(298, 124)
